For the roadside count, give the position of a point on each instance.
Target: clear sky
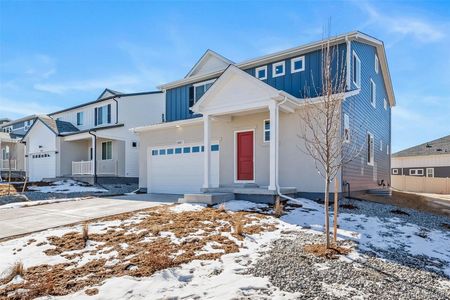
(55, 54)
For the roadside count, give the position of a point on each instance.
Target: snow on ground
(226, 277)
(65, 187)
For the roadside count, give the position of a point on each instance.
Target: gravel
(365, 277)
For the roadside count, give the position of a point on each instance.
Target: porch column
(273, 111)
(207, 152)
(94, 154)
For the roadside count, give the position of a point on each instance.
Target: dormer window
(297, 64)
(261, 72)
(197, 90)
(373, 93)
(376, 64)
(356, 72)
(80, 118)
(278, 69)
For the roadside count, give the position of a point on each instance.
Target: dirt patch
(321, 250)
(446, 226)
(142, 244)
(348, 206)
(399, 212)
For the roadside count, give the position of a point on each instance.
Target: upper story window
(385, 104)
(261, 72)
(197, 90)
(376, 64)
(370, 149)
(373, 93)
(80, 118)
(7, 129)
(297, 64)
(356, 74)
(278, 69)
(103, 115)
(346, 128)
(266, 131)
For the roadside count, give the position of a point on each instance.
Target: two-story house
(12, 152)
(230, 126)
(92, 140)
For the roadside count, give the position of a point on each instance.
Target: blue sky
(55, 54)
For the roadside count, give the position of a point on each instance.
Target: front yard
(237, 250)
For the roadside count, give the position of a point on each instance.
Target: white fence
(5, 164)
(82, 167)
(421, 184)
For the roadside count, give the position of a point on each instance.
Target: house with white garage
(92, 141)
(234, 127)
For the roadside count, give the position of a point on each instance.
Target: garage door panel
(180, 173)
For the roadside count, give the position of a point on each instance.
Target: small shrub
(85, 233)
(278, 208)
(238, 227)
(16, 269)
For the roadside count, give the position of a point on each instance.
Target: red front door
(245, 155)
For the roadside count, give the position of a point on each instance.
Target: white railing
(5, 164)
(107, 167)
(82, 167)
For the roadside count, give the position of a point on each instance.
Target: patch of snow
(187, 207)
(240, 205)
(65, 187)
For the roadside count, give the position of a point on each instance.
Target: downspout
(117, 110)
(94, 155)
(277, 184)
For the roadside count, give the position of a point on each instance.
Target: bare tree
(321, 121)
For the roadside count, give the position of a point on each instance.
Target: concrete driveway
(18, 221)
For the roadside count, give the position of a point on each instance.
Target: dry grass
(147, 249)
(278, 208)
(15, 270)
(321, 250)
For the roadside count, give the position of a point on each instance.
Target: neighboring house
(12, 152)
(430, 159)
(92, 139)
(232, 126)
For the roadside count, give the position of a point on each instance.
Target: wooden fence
(421, 184)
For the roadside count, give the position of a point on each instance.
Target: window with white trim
(297, 64)
(356, 73)
(278, 69)
(376, 64)
(430, 172)
(80, 118)
(102, 115)
(266, 131)
(394, 171)
(201, 88)
(346, 128)
(416, 172)
(381, 145)
(373, 93)
(385, 104)
(261, 72)
(106, 150)
(134, 144)
(370, 149)
(387, 149)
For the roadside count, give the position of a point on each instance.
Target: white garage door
(42, 165)
(179, 170)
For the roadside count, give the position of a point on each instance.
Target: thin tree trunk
(336, 198)
(9, 174)
(327, 216)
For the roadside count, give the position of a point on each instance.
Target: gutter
(117, 110)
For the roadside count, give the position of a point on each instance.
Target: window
(356, 70)
(187, 150)
(177, 150)
(169, 151)
(297, 64)
(5, 153)
(154, 152)
(80, 118)
(162, 152)
(430, 172)
(198, 90)
(370, 148)
(381, 145)
(394, 171)
(261, 72)
(278, 69)
(346, 128)
(215, 147)
(376, 64)
(373, 93)
(387, 149)
(103, 115)
(385, 104)
(133, 144)
(195, 149)
(107, 150)
(416, 172)
(266, 131)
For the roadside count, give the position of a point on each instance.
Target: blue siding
(296, 84)
(366, 118)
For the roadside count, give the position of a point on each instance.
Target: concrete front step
(207, 198)
(380, 192)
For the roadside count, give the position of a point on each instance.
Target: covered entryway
(42, 165)
(179, 169)
(245, 157)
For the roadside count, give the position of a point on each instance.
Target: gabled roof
(58, 127)
(108, 92)
(209, 62)
(292, 52)
(435, 147)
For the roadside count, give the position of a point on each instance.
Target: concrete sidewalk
(18, 221)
